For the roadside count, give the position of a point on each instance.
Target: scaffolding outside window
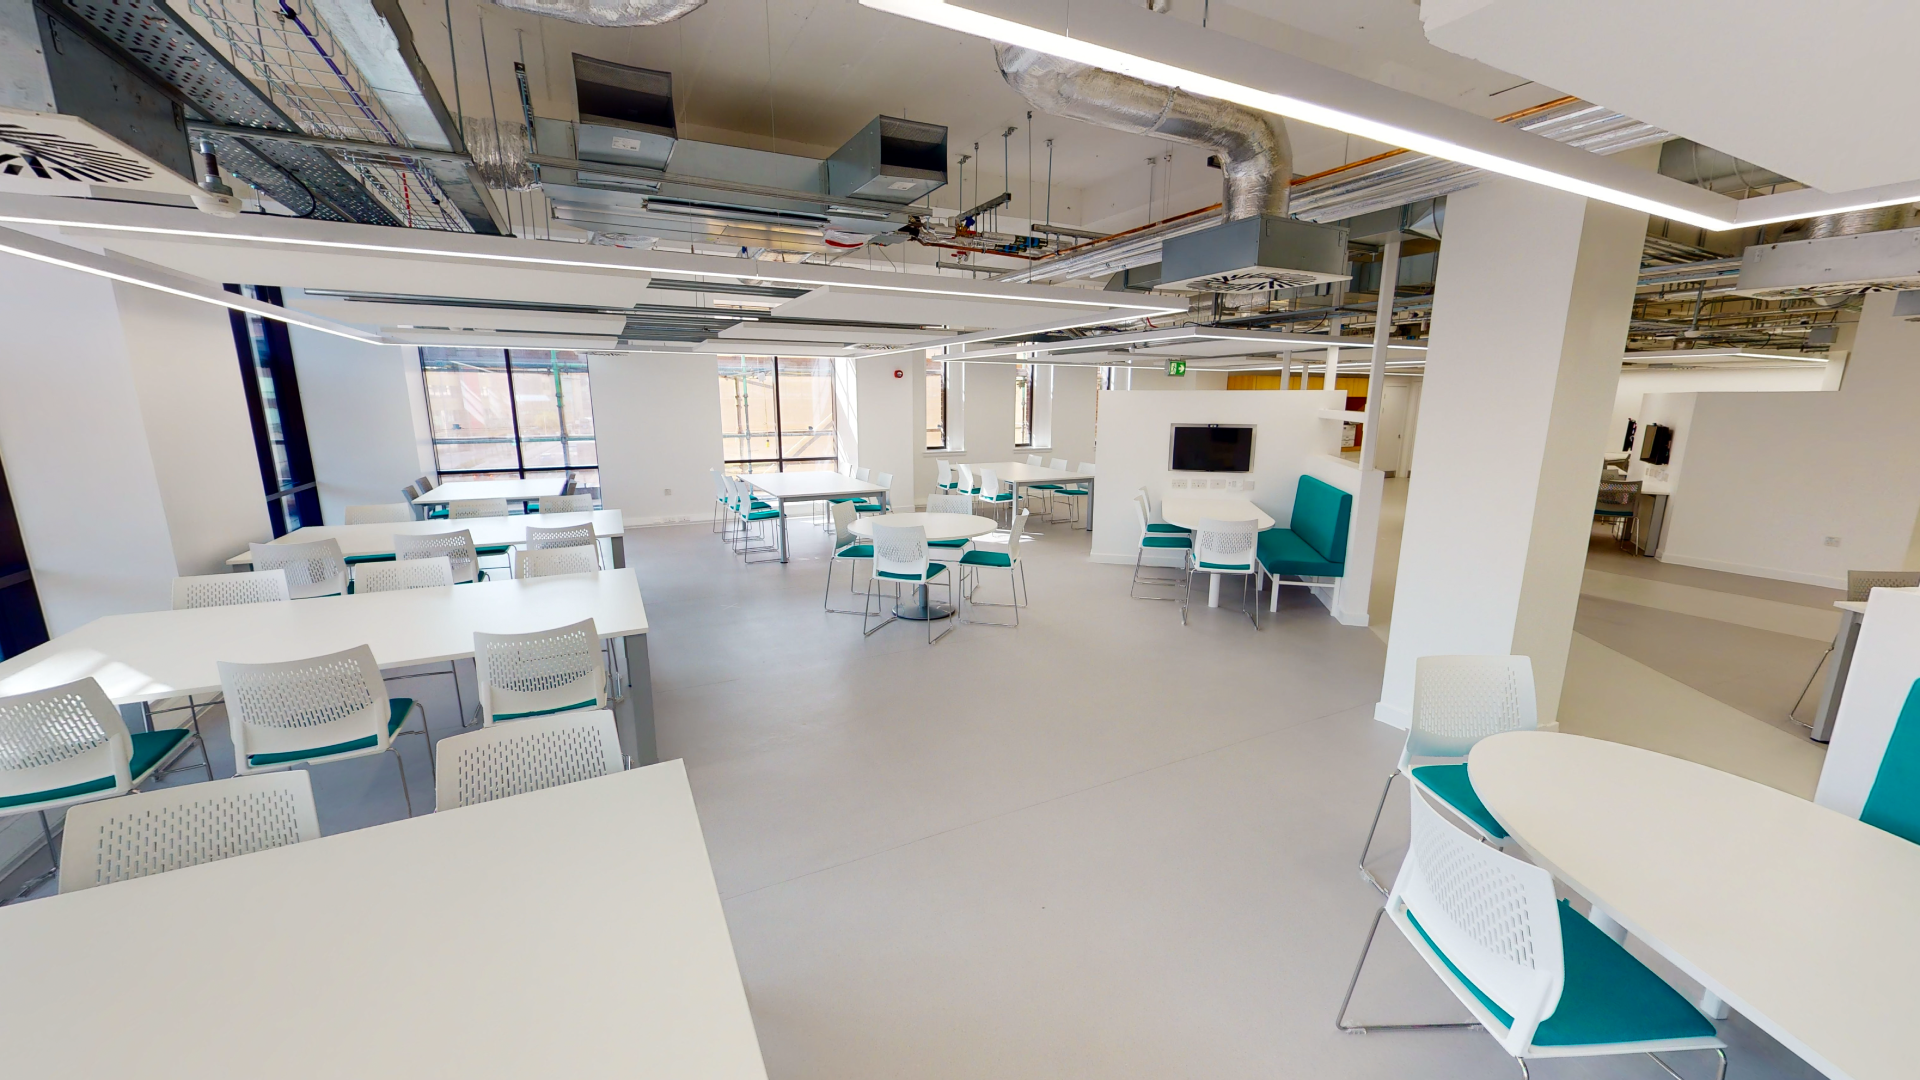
(936, 380)
(502, 414)
(778, 414)
(1023, 404)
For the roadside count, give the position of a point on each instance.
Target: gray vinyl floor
(1099, 845)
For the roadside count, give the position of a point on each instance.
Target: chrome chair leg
(1809, 686)
(1340, 1021)
(1374, 828)
(405, 792)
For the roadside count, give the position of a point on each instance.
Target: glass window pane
(1023, 405)
(806, 409)
(746, 408)
(468, 408)
(936, 380)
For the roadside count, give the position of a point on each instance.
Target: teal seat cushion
(150, 748)
(1002, 497)
(1320, 515)
(1619, 512)
(1608, 997)
(1043, 487)
(1163, 527)
(1893, 803)
(934, 570)
(1227, 568)
(397, 710)
(962, 542)
(1073, 491)
(762, 515)
(590, 703)
(71, 791)
(1282, 551)
(855, 551)
(986, 558)
(1152, 541)
(1450, 784)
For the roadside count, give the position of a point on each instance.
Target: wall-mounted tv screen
(1212, 448)
(1656, 448)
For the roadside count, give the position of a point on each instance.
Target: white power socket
(1217, 484)
(1246, 485)
(1832, 541)
(1178, 482)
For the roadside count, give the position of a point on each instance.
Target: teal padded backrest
(1320, 513)
(1894, 802)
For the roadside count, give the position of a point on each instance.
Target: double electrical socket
(1215, 483)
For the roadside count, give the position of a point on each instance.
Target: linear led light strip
(52, 254)
(761, 272)
(979, 24)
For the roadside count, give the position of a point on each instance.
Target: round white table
(1799, 917)
(1186, 512)
(938, 527)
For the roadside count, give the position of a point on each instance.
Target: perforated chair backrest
(223, 590)
(153, 832)
(1058, 464)
(566, 504)
(1034, 460)
(379, 513)
(1459, 700)
(884, 479)
(560, 536)
(59, 739)
(476, 508)
(430, 573)
(313, 569)
(945, 475)
(966, 477)
(1492, 916)
(456, 546)
(1861, 583)
(557, 670)
(410, 493)
(1013, 535)
(862, 474)
(950, 504)
(548, 562)
(843, 514)
(989, 484)
(900, 549)
(300, 706)
(526, 755)
(1086, 467)
(425, 484)
(1223, 545)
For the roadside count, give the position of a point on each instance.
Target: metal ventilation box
(1256, 254)
(890, 160)
(626, 113)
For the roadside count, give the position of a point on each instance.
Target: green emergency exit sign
(1176, 368)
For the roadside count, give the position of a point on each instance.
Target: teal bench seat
(1315, 542)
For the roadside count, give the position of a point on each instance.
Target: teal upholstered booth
(1314, 544)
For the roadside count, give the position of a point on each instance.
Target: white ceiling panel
(456, 317)
(955, 312)
(822, 334)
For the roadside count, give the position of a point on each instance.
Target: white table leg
(1711, 1004)
(1606, 924)
(1213, 590)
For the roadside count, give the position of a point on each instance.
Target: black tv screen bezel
(1173, 442)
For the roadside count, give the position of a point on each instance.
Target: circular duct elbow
(1254, 152)
(607, 12)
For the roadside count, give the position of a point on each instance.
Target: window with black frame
(1023, 376)
(778, 414)
(22, 626)
(279, 425)
(510, 414)
(936, 380)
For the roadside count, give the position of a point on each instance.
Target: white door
(1390, 455)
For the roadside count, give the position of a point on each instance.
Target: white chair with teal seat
(1457, 701)
(564, 504)
(457, 547)
(1073, 493)
(950, 551)
(153, 832)
(900, 556)
(315, 711)
(1225, 548)
(1009, 560)
(722, 505)
(313, 569)
(431, 573)
(460, 509)
(849, 548)
(875, 504)
(1043, 492)
(68, 745)
(1155, 523)
(945, 477)
(996, 495)
(548, 671)
(968, 485)
(1160, 544)
(750, 514)
(379, 514)
(529, 755)
(1536, 974)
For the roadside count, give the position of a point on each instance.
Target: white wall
(883, 420)
(657, 422)
(365, 408)
(980, 408)
(1635, 385)
(1074, 395)
(1770, 476)
(1673, 411)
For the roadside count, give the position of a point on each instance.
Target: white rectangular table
(144, 657)
(808, 487)
(1018, 474)
(490, 534)
(511, 490)
(575, 931)
(1187, 510)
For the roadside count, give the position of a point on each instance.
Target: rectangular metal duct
(626, 113)
(1831, 265)
(1255, 254)
(892, 160)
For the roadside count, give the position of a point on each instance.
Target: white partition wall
(1885, 664)
(656, 421)
(1532, 299)
(365, 407)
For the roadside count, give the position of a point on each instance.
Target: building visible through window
(936, 380)
(778, 414)
(500, 414)
(1023, 405)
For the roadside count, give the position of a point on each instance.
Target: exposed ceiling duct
(1254, 153)
(607, 12)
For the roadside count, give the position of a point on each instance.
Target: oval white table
(1186, 512)
(939, 527)
(1799, 917)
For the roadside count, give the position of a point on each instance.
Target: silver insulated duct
(607, 12)
(1254, 152)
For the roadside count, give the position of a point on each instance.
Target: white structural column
(1355, 593)
(1534, 291)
